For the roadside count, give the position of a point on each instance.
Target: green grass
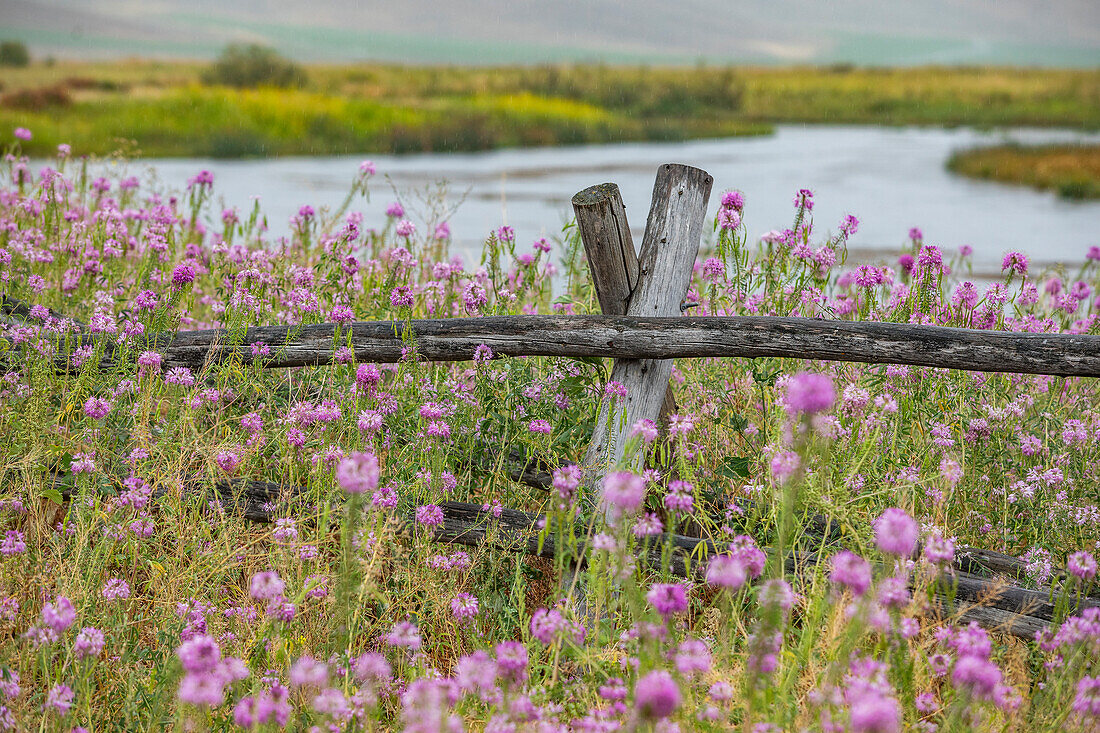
(1073, 171)
(163, 109)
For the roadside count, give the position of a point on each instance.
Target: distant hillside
(1025, 32)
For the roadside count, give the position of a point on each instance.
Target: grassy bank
(1073, 171)
(166, 111)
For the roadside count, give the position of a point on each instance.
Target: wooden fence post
(612, 260)
(669, 249)
(653, 285)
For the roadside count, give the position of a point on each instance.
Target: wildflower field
(135, 596)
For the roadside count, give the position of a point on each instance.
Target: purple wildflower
(59, 615)
(546, 624)
(668, 598)
(512, 661)
(183, 274)
(566, 481)
(896, 533)
(1016, 262)
(266, 585)
(13, 543)
(1082, 565)
(851, 571)
(733, 200)
(623, 493)
(358, 473)
(115, 589)
(938, 550)
(646, 428)
(401, 297)
(464, 607)
(97, 408)
(784, 465)
(89, 643)
(693, 657)
(308, 672)
(728, 219)
(1086, 702)
(429, 515)
(656, 695)
(977, 675)
(228, 461)
(60, 698)
(745, 550)
(404, 634)
(726, 571)
(809, 393)
(201, 690)
(870, 711)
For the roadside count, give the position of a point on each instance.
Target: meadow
(129, 601)
(1071, 171)
(165, 109)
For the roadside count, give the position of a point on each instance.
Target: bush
(37, 100)
(14, 53)
(248, 66)
(1078, 189)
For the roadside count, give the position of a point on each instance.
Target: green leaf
(764, 376)
(593, 360)
(65, 462)
(734, 467)
(738, 422)
(53, 495)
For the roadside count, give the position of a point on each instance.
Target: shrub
(248, 66)
(14, 53)
(36, 100)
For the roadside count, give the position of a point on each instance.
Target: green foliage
(14, 53)
(342, 109)
(650, 93)
(1072, 171)
(251, 66)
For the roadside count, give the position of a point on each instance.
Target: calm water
(891, 178)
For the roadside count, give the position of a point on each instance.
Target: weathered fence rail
(630, 337)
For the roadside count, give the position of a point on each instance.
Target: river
(891, 178)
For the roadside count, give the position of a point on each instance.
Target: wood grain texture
(671, 244)
(608, 246)
(626, 337)
(612, 261)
